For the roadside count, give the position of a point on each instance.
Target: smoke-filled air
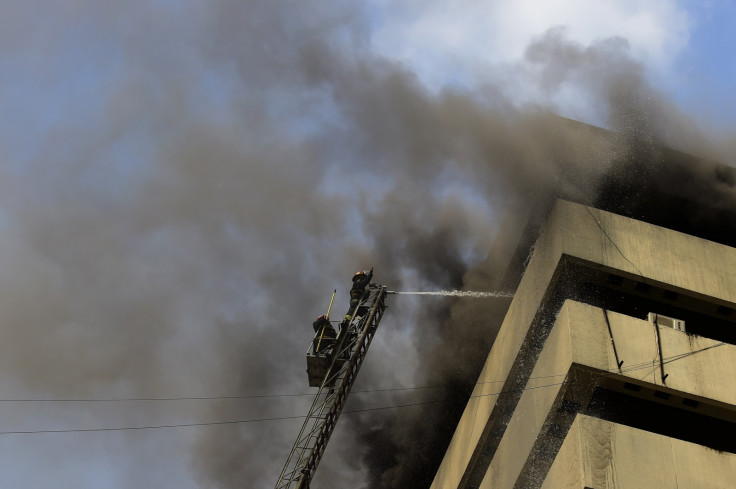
(183, 185)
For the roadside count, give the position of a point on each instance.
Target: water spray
(457, 293)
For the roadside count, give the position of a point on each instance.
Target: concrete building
(588, 384)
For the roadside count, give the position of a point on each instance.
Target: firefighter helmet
(359, 275)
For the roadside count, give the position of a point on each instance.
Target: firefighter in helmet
(360, 282)
(326, 334)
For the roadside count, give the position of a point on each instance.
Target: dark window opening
(663, 419)
(690, 403)
(641, 287)
(615, 279)
(588, 283)
(724, 311)
(669, 295)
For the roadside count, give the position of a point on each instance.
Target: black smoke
(196, 179)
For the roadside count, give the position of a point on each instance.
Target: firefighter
(326, 334)
(361, 279)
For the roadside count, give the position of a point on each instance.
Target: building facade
(615, 365)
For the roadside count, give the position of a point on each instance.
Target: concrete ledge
(597, 454)
(632, 248)
(578, 357)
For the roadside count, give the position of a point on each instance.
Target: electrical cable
(283, 418)
(600, 226)
(212, 423)
(629, 368)
(208, 398)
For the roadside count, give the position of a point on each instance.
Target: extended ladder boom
(348, 355)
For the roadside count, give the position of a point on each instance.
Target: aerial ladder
(332, 365)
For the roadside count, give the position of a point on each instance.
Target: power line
(212, 423)
(209, 398)
(379, 408)
(629, 368)
(600, 226)
(142, 399)
(283, 418)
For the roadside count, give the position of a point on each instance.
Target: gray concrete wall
(496, 369)
(701, 368)
(615, 242)
(597, 454)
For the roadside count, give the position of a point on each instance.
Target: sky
(184, 183)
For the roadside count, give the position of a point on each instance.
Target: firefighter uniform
(326, 334)
(357, 292)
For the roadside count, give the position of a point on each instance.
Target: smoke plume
(179, 215)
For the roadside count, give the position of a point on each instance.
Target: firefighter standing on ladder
(326, 334)
(334, 375)
(361, 279)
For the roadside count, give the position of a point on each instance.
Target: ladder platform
(317, 367)
(350, 347)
